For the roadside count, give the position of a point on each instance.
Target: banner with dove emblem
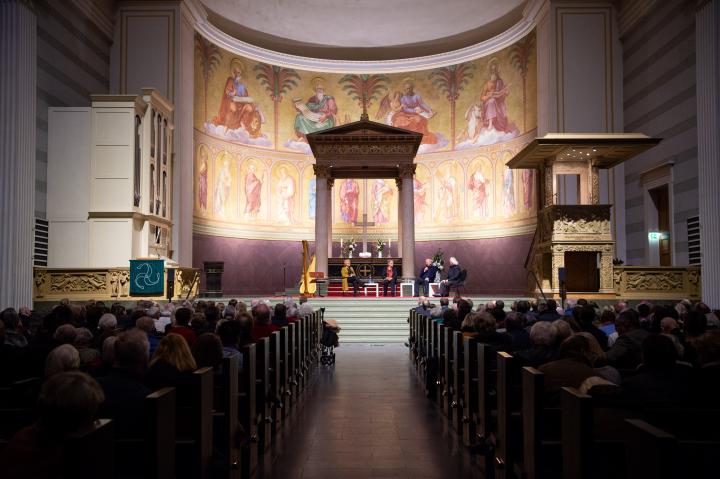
(147, 277)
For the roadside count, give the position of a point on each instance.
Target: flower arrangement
(380, 246)
(350, 247)
(439, 260)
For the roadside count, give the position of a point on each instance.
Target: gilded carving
(39, 278)
(364, 149)
(581, 226)
(595, 186)
(187, 280)
(653, 281)
(78, 283)
(406, 170)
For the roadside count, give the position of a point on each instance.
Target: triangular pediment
(364, 128)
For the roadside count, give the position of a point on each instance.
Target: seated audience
(13, 328)
(543, 337)
(515, 328)
(147, 324)
(707, 379)
(63, 358)
(208, 351)
(245, 320)
(626, 352)
(570, 370)
(586, 321)
(279, 318)
(67, 405)
(451, 320)
(563, 330)
(659, 380)
(229, 333)
(90, 358)
(123, 384)
(262, 327)
(182, 325)
(550, 313)
(607, 325)
(598, 360)
(171, 364)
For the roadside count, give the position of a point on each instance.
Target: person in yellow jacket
(349, 277)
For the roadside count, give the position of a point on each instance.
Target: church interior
(341, 239)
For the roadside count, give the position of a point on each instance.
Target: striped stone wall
(659, 99)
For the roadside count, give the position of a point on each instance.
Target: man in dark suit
(390, 278)
(427, 276)
(452, 279)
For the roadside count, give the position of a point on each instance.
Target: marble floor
(366, 417)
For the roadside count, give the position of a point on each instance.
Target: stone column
(398, 182)
(707, 39)
(18, 81)
(408, 221)
(321, 218)
(331, 184)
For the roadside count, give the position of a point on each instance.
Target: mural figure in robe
(474, 122)
(223, 184)
(479, 186)
(253, 192)
(349, 196)
(494, 109)
(237, 107)
(408, 110)
(508, 193)
(527, 181)
(312, 199)
(447, 205)
(419, 198)
(318, 113)
(203, 179)
(286, 192)
(381, 194)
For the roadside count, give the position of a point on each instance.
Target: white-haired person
(63, 358)
(452, 279)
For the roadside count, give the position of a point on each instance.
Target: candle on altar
(341, 243)
(389, 245)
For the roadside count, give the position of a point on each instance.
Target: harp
(307, 285)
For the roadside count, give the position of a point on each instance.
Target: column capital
(407, 170)
(330, 182)
(321, 171)
(398, 183)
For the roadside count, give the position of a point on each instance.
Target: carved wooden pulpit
(576, 237)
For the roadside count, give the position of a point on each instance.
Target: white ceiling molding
(482, 49)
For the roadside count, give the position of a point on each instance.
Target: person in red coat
(262, 327)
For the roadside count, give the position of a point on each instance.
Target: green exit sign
(657, 235)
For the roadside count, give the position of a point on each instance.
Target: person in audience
(68, 404)
(107, 326)
(607, 325)
(13, 333)
(453, 277)
(620, 306)
(9, 358)
(229, 333)
(163, 321)
(262, 327)
(147, 324)
(241, 307)
(643, 310)
(471, 324)
(245, 320)
(390, 279)
(63, 358)
(463, 309)
(572, 368)
(713, 321)
(626, 352)
(279, 318)
(451, 320)
(171, 365)
(707, 379)
(123, 385)
(436, 314)
(550, 313)
(426, 276)
(423, 308)
(588, 316)
(659, 380)
(543, 337)
(199, 323)
(208, 351)
(182, 325)
(563, 329)
(349, 277)
(484, 325)
(498, 313)
(598, 360)
(90, 358)
(515, 328)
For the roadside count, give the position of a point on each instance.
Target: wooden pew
(458, 381)
(247, 413)
(470, 390)
(508, 446)
(225, 416)
(292, 382)
(91, 454)
(264, 399)
(193, 447)
(651, 452)
(541, 429)
(432, 367)
(447, 368)
(299, 360)
(276, 391)
(283, 357)
(486, 393)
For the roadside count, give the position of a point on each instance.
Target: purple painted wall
(495, 266)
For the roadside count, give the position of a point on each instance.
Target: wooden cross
(365, 223)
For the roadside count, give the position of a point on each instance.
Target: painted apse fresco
(253, 167)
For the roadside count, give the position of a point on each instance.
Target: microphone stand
(284, 290)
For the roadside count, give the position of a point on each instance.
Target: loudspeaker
(170, 284)
(562, 274)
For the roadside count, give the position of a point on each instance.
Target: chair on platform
(460, 283)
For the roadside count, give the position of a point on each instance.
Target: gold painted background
(462, 187)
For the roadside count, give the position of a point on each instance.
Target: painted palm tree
(450, 81)
(365, 88)
(520, 55)
(278, 81)
(209, 57)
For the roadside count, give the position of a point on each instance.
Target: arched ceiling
(364, 30)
